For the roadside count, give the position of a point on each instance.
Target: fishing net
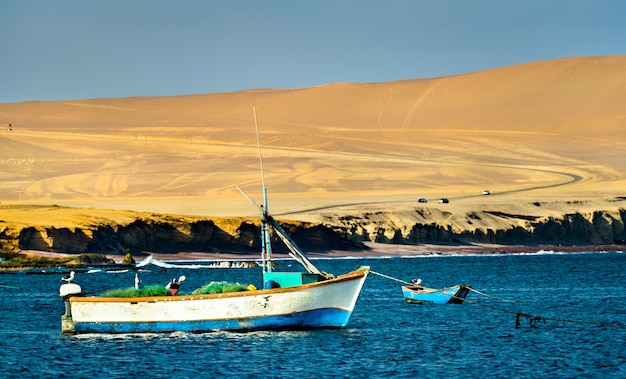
(222, 287)
(159, 290)
(152, 290)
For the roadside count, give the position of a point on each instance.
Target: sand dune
(543, 131)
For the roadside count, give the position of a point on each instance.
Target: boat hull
(449, 295)
(326, 304)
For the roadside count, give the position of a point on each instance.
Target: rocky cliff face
(165, 234)
(594, 228)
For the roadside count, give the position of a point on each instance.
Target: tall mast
(267, 220)
(266, 253)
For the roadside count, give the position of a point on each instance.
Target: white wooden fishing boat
(321, 304)
(287, 300)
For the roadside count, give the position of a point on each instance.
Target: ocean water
(581, 296)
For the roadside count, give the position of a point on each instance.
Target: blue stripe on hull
(321, 318)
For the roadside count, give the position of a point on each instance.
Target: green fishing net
(159, 290)
(152, 290)
(222, 287)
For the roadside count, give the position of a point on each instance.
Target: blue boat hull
(321, 318)
(449, 295)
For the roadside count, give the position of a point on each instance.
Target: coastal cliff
(579, 228)
(158, 233)
(139, 232)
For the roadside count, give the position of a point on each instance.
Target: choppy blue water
(579, 294)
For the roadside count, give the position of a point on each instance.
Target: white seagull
(137, 281)
(69, 278)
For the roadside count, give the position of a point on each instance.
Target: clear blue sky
(78, 49)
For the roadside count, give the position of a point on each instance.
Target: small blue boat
(448, 295)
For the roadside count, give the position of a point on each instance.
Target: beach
(374, 250)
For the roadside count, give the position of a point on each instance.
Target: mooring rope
(531, 318)
(534, 318)
(492, 297)
(390, 277)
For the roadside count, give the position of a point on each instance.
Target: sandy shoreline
(374, 250)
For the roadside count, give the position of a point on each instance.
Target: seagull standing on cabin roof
(69, 278)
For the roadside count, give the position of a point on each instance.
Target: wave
(457, 255)
(150, 260)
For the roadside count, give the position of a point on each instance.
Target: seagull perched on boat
(69, 278)
(137, 281)
(174, 284)
(416, 282)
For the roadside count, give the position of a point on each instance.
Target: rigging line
(258, 143)
(266, 253)
(390, 277)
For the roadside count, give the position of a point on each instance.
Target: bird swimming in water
(174, 284)
(69, 278)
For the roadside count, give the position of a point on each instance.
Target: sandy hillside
(546, 131)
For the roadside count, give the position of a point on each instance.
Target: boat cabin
(289, 279)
